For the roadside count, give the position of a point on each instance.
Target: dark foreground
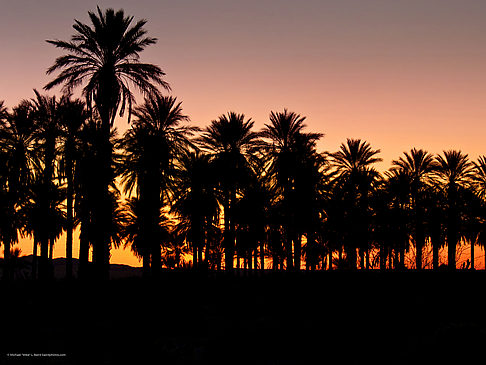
(310, 318)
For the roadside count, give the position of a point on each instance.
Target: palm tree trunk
(402, 256)
(199, 254)
(194, 256)
(145, 260)
(297, 251)
(288, 244)
(157, 258)
(351, 258)
(44, 259)
(207, 247)
(419, 246)
(6, 261)
(255, 258)
(472, 252)
(228, 244)
(435, 255)
(329, 260)
(262, 255)
(451, 254)
(452, 230)
(69, 220)
(101, 216)
(34, 259)
(51, 249)
(83, 253)
(382, 256)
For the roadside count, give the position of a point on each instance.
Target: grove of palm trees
(223, 217)
(222, 197)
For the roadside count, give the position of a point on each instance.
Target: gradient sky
(399, 74)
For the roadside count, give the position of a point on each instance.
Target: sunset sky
(399, 74)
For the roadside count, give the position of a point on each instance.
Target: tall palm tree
(88, 168)
(479, 181)
(196, 204)
(419, 165)
(251, 216)
(9, 222)
(104, 56)
(72, 115)
(46, 116)
(151, 148)
(17, 139)
(392, 211)
(455, 170)
(355, 177)
(311, 189)
(232, 144)
(284, 137)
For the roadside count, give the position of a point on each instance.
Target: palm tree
(134, 226)
(284, 138)
(151, 148)
(104, 56)
(419, 165)
(233, 145)
(88, 168)
(43, 221)
(455, 170)
(251, 215)
(46, 117)
(311, 190)
(355, 178)
(392, 211)
(17, 139)
(479, 181)
(72, 116)
(196, 204)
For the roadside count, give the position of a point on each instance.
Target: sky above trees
(398, 74)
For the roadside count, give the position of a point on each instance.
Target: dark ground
(277, 318)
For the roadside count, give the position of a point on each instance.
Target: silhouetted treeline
(227, 196)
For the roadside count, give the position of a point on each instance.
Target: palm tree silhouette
(196, 204)
(46, 117)
(455, 169)
(233, 145)
(393, 210)
(88, 168)
(284, 137)
(312, 188)
(134, 226)
(479, 181)
(105, 57)
(151, 148)
(435, 203)
(17, 136)
(419, 165)
(72, 116)
(352, 163)
(251, 216)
